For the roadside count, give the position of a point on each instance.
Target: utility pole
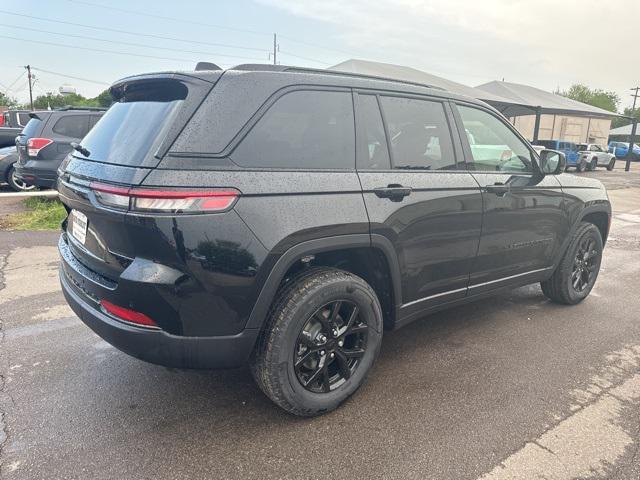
(275, 49)
(635, 97)
(28, 67)
(634, 127)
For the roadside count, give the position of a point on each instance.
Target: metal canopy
(399, 72)
(547, 102)
(624, 130)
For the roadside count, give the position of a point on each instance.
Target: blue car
(620, 150)
(569, 149)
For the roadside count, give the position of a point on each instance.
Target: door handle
(499, 189)
(393, 192)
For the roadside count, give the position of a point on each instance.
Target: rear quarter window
(310, 129)
(72, 126)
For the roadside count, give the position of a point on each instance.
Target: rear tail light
(127, 314)
(34, 145)
(164, 200)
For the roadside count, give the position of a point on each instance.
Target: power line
(69, 76)
(130, 43)
(128, 32)
(15, 81)
(303, 58)
(314, 45)
(97, 49)
(195, 22)
(172, 19)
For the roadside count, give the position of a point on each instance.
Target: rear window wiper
(81, 149)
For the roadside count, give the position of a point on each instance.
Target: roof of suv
(282, 75)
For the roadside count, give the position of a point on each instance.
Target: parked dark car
(8, 136)
(286, 217)
(47, 139)
(16, 118)
(8, 157)
(13, 121)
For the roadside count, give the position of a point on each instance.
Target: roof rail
(70, 107)
(257, 67)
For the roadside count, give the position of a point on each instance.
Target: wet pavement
(509, 387)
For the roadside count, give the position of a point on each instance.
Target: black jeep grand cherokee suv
(286, 217)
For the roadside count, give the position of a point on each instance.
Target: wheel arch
(599, 214)
(371, 257)
(600, 219)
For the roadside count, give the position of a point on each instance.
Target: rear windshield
(131, 130)
(32, 128)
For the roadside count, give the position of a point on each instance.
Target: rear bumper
(156, 346)
(36, 176)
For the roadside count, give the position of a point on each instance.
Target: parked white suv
(593, 155)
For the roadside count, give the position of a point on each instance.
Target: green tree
(596, 97)
(104, 99)
(621, 122)
(7, 101)
(55, 100)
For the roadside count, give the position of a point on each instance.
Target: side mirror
(552, 162)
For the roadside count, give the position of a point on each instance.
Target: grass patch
(43, 214)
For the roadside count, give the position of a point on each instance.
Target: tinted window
(23, 119)
(303, 129)
(125, 135)
(419, 134)
(494, 146)
(548, 144)
(374, 153)
(73, 126)
(33, 128)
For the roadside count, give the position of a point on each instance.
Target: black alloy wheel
(577, 272)
(585, 263)
(330, 346)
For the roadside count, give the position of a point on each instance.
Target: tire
(276, 363)
(17, 185)
(561, 287)
(591, 166)
(579, 166)
(612, 163)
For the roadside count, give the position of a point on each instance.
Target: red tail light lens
(128, 315)
(34, 145)
(166, 201)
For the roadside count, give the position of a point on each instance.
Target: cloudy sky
(544, 43)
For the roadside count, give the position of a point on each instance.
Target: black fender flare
(318, 245)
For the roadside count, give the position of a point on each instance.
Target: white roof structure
(624, 130)
(409, 74)
(512, 99)
(548, 102)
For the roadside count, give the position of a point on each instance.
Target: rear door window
(306, 129)
(419, 134)
(72, 126)
(372, 142)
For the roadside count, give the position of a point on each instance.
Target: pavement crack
(546, 449)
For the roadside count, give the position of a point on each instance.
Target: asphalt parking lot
(513, 387)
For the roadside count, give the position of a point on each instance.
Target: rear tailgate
(122, 148)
